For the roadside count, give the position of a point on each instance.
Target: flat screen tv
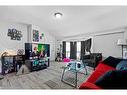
(45, 48)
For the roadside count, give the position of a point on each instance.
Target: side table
(76, 67)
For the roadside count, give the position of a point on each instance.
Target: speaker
(48, 52)
(28, 50)
(48, 62)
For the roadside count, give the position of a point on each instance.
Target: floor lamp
(122, 43)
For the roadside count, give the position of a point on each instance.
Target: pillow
(122, 65)
(112, 61)
(114, 79)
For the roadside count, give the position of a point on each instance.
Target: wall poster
(14, 34)
(35, 35)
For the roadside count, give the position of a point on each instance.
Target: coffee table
(75, 67)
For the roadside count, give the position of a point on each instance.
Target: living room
(63, 47)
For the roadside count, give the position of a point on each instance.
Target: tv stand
(37, 64)
(37, 56)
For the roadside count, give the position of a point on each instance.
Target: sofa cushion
(100, 70)
(114, 79)
(122, 65)
(112, 61)
(104, 68)
(88, 85)
(94, 76)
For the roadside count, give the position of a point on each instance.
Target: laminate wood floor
(49, 78)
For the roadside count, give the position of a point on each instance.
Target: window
(68, 49)
(78, 50)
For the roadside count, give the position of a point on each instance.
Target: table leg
(63, 74)
(86, 70)
(75, 79)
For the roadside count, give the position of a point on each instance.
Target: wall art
(14, 34)
(35, 35)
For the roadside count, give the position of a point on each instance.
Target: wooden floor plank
(38, 81)
(15, 83)
(5, 83)
(24, 83)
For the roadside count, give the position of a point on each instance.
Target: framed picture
(35, 35)
(14, 34)
(125, 55)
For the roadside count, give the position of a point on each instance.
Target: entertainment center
(37, 57)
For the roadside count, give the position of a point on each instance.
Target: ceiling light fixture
(58, 15)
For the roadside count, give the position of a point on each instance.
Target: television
(45, 48)
(42, 49)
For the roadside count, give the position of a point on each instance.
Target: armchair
(92, 59)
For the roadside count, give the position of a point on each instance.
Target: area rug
(52, 84)
(56, 83)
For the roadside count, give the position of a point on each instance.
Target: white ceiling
(76, 19)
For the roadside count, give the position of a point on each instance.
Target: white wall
(104, 42)
(47, 39)
(107, 44)
(5, 41)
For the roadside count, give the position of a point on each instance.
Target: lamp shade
(122, 42)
